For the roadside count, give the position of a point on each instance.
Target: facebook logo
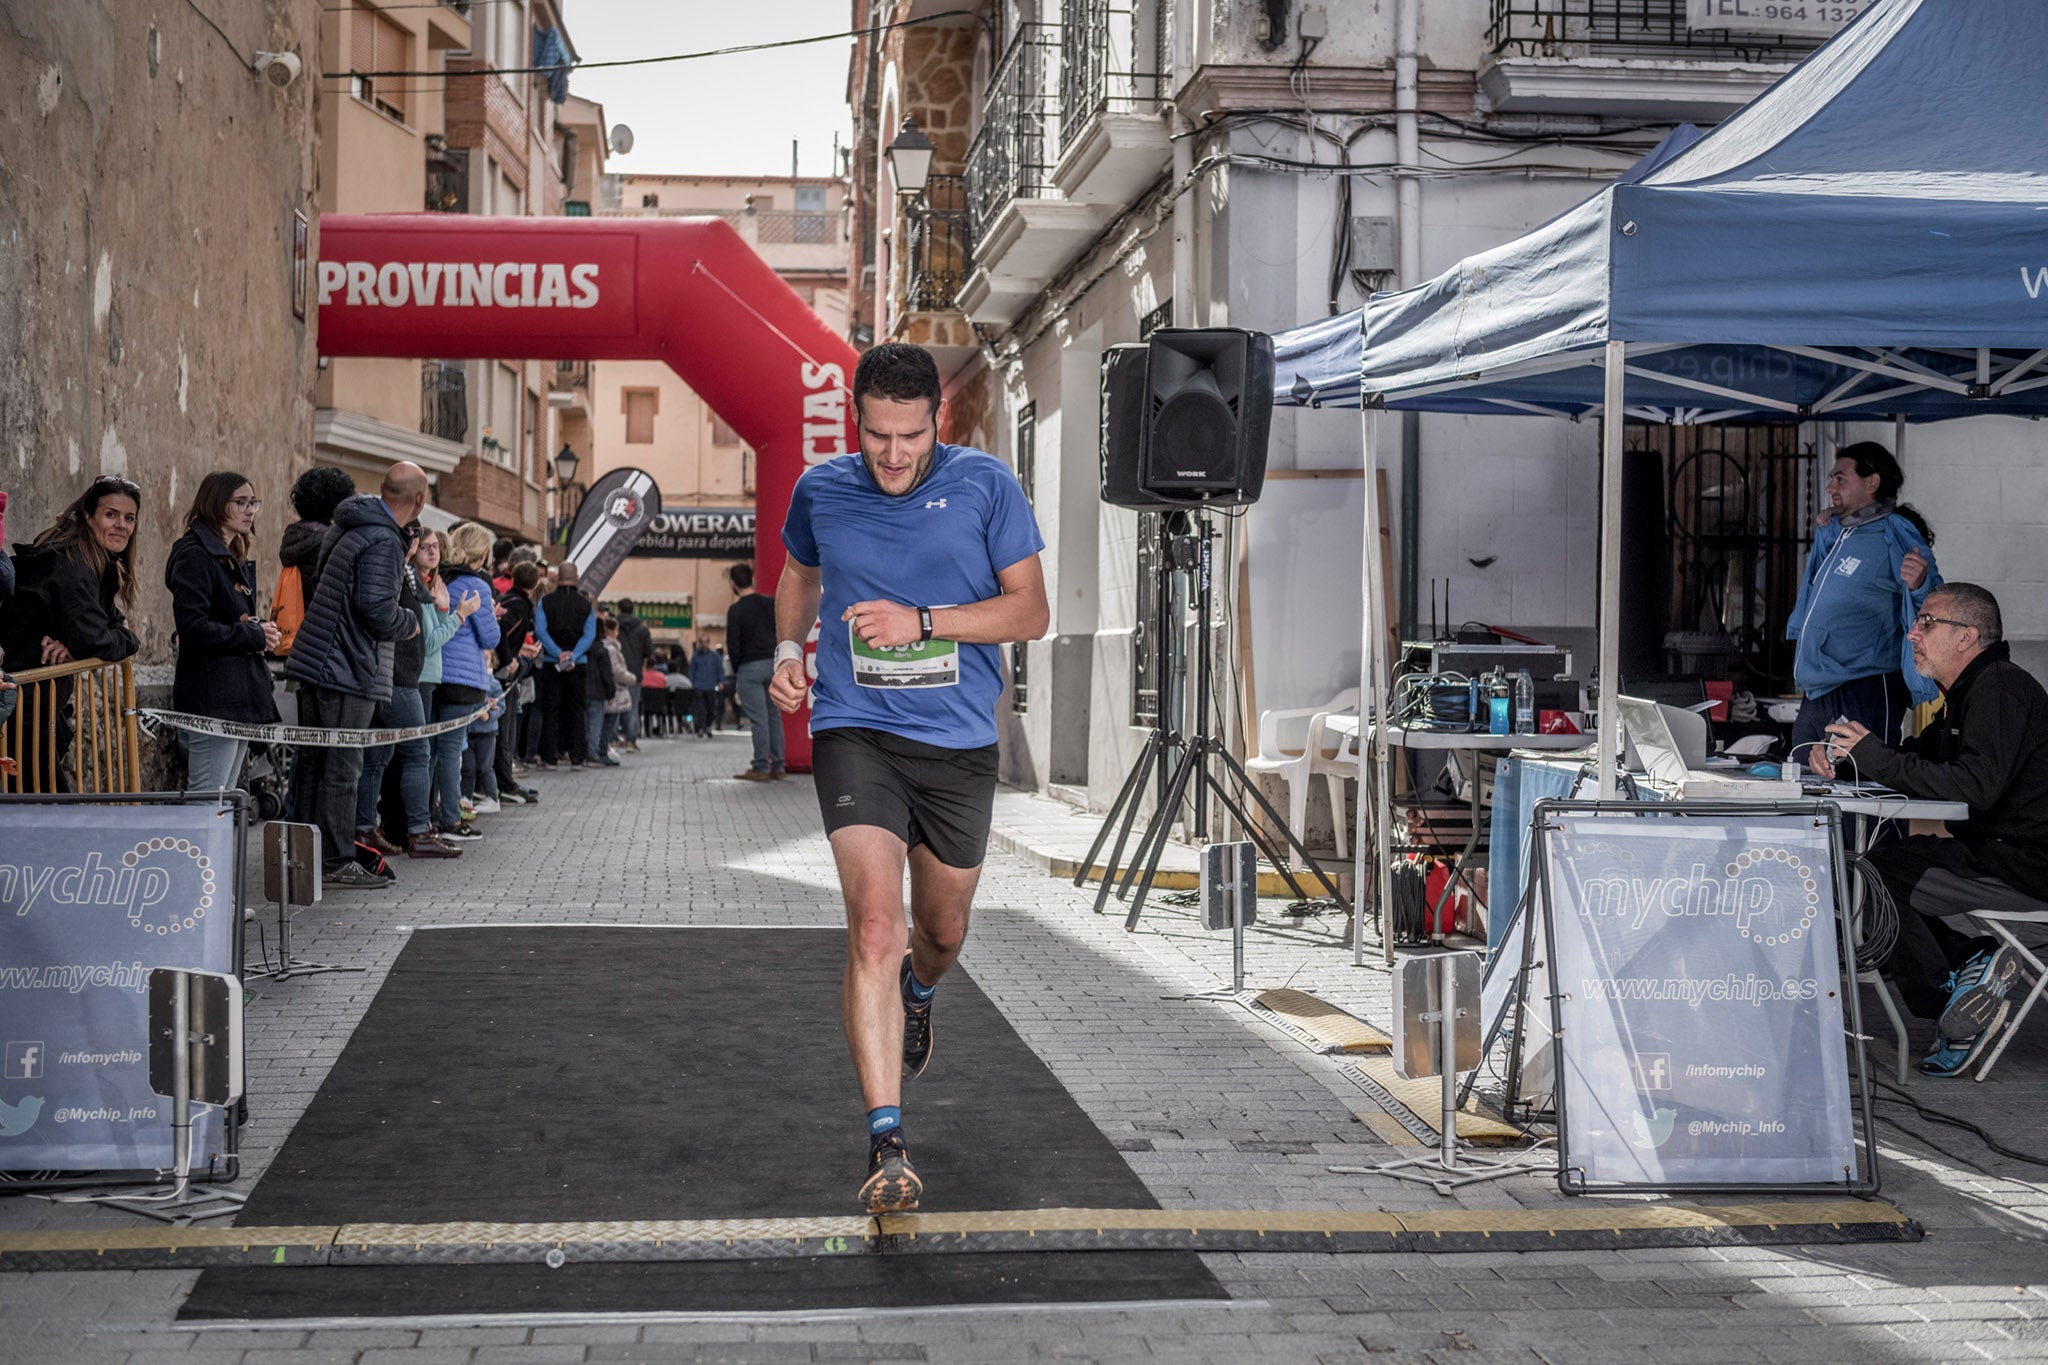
(24, 1062)
(1653, 1071)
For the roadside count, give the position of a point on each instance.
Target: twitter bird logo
(16, 1119)
(1652, 1132)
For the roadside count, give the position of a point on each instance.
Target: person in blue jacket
(1871, 567)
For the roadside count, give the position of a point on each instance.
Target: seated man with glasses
(1988, 749)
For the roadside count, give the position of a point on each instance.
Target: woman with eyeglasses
(222, 638)
(72, 584)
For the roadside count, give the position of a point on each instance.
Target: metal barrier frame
(230, 1168)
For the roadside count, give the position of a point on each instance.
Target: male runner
(924, 557)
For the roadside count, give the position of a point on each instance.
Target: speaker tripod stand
(1188, 543)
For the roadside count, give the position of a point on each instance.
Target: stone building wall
(148, 181)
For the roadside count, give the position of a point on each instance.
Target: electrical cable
(193, 5)
(1936, 1116)
(1880, 917)
(650, 61)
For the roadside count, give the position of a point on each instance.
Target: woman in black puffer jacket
(221, 636)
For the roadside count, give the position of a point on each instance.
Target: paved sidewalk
(1211, 1107)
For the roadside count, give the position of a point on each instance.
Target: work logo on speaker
(1701, 1015)
(91, 899)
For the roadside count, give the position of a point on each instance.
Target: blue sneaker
(1976, 990)
(1954, 1058)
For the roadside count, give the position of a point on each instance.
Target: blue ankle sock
(883, 1120)
(917, 990)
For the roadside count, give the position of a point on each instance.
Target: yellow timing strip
(1446, 1222)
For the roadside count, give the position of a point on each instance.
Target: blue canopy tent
(1866, 239)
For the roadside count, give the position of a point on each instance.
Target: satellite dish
(622, 139)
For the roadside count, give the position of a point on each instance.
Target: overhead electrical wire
(651, 61)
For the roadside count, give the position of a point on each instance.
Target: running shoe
(1952, 1058)
(468, 810)
(463, 833)
(510, 796)
(485, 805)
(1976, 990)
(891, 1186)
(917, 1027)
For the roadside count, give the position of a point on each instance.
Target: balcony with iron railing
(1011, 157)
(1635, 57)
(936, 249)
(1113, 141)
(1021, 228)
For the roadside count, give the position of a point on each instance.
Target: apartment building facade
(1106, 167)
(456, 138)
(643, 415)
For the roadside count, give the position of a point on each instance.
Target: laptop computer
(1671, 746)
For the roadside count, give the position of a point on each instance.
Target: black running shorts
(921, 793)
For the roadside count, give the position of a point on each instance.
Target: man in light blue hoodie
(1870, 569)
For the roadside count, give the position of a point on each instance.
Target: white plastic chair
(1333, 753)
(1290, 742)
(1996, 921)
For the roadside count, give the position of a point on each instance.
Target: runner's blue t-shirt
(939, 545)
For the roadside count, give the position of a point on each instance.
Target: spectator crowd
(372, 622)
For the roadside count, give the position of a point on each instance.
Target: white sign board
(1790, 18)
(1699, 1000)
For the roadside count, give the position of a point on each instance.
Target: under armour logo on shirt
(936, 502)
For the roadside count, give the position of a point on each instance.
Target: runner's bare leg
(871, 862)
(940, 898)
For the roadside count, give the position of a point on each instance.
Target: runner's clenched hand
(786, 687)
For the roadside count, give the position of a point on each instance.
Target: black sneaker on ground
(917, 1027)
(1981, 986)
(891, 1186)
(460, 834)
(353, 876)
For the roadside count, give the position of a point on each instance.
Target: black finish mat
(533, 1074)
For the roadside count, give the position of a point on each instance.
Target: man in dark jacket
(566, 625)
(1989, 750)
(342, 660)
(636, 642)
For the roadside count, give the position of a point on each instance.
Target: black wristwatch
(924, 624)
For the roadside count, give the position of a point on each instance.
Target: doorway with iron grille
(1737, 506)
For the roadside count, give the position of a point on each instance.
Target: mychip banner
(92, 897)
(1698, 1000)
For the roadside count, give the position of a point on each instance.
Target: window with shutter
(721, 434)
(640, 407)
(377, 43)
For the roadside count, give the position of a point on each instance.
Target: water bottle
(1525, 703)
(1498, 703)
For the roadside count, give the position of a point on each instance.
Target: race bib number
(926, 663)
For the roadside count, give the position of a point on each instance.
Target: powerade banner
(614, 514)
(1699, 1000)
(91, 899)
(699, 533)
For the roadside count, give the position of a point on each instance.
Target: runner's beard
(918, 475)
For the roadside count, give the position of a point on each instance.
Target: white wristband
(788, 651)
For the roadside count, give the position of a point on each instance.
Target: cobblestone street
(1211, 1107)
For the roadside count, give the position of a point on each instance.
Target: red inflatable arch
(687, 291)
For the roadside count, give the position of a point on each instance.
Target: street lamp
(565, 465)
(910, 158)
(565, 479)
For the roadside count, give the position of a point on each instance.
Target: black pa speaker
(1208, 408)
(1123, 427)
